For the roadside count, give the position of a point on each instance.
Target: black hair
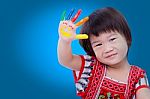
(102, 21)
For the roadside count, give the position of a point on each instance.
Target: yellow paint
(78, 36)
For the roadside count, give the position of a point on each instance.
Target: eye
(112, 39)
(98, 45)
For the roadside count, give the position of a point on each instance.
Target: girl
(104, 73)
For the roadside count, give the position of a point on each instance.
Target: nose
(108, 48)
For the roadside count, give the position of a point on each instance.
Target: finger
(82, 21)
(76, 16)
(70, 14)
(81, 36)
(63, 15)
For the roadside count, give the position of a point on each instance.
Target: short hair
(102, 21)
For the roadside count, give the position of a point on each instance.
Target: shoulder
(142, 80)
(84, 77)
(138, 70)
(86, 66)
(137, 73)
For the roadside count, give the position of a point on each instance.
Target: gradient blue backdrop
(29, 68)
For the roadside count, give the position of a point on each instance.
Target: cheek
(98, 52)
(123, 49)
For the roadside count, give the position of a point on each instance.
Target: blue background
(29, 68)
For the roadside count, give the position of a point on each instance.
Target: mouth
(111, 55)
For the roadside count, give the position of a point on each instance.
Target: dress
(92, 83)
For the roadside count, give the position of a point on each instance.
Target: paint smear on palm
(78, 36)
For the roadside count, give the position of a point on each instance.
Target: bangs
(104, 22)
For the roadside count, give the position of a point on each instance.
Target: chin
(111, 62)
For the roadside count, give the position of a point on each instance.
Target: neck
(123, 65)
(122, 68)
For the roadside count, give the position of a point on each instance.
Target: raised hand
(67, 28)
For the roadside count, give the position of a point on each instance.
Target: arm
(67, 33)
(143, 93)
(65, 56)
(142, 88)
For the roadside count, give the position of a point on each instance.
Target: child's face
(110, 48)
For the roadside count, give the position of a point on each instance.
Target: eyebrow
(94, 42)
(112, 35)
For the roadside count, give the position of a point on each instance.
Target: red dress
(92, 83)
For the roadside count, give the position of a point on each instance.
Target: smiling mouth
(112, 55)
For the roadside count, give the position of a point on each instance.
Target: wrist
(66, 42)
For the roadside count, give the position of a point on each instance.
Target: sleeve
(77, 74)
(142, 83)
(81, 77)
